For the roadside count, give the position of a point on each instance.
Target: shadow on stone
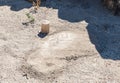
(42, 35)
(103, 27)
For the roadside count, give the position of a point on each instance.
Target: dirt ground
(83, 45)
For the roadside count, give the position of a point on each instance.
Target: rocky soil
(83, 45)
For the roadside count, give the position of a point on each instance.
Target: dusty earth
(83, 45)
